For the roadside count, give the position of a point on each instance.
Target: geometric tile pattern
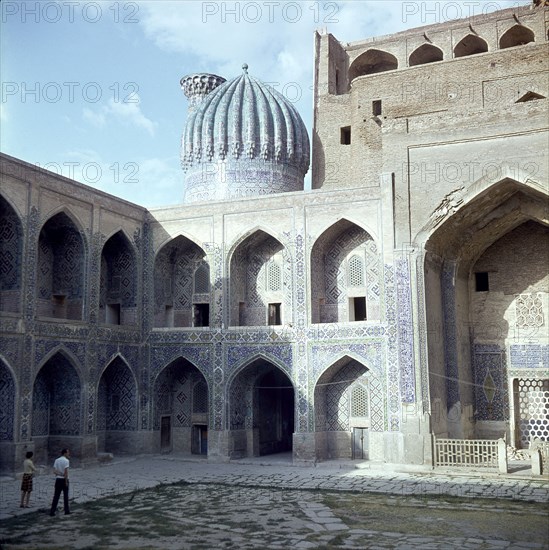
(117, 398)
(533, 409)
(11, 247)
(249, 279)
(529, 310)
(7, 399)
(529, 356)
(392, 371)
(118, 272)
(180, 271)
(405, 330)
(490, 383)
(61, 259)
(334, 390)
(56, 403)
(344, 257)
(173, 392)
(450, 334)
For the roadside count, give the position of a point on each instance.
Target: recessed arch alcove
(118, 293)
(11, 254)
(260, 404)
(181, 408)
(371, 62)
(481, 263)
(181, 285)
(260, 281)
(117, 408)
(426, 53)
(345, 275)
(60, 284)
(518, 35)
(57, 403)
(470, 45)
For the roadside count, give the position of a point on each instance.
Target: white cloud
(120, 111)
(276, 38)
(96, 118)
(145, 181)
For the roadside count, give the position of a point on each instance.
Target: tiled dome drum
(242, 139)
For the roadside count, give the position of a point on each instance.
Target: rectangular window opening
(376, 107)
(482, 283)
(113, 314)
(346, 135)
(169, 316)
(59, 305)
(357, 308)
(201, 315)
(274, 314)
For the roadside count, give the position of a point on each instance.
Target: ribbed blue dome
(243, 139)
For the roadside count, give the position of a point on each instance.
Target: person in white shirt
(61, 471)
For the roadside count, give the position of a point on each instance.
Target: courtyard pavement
(249, 481)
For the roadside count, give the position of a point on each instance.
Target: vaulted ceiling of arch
(478, 224)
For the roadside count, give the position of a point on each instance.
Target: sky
(90, 90)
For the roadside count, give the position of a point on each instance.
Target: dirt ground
(211, 516)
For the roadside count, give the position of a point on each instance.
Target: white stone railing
(471, 453)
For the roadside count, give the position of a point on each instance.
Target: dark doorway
(275, 420)
(200, 439)
(165, 434)
(360, 443)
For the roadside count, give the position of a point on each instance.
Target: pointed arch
(65, 209)
(426, 53)
(183, 234)
(508, 183)
(454, 252)
(11, 256)
(517, 35)
(257, 358)
(117, 405)
(185, 361)
(336, 389)
(371, 62)
(247, 234)
(177, 301)
(333, 298)
(62, 350)
(178, 425)
(260, 406)
(118, 284)
(62, 253)
(117, 356)
(470, 45)
(57, 397)
(8, 392)
(251, 301)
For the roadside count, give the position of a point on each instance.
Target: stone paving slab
(204, 516)
(147, 471)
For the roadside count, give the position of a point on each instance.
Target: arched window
(200, 398)
(516, 36)
(355, 271)
(470, 45)
(371, 62)
(425, 54)
(202, 279)
(274, 277)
